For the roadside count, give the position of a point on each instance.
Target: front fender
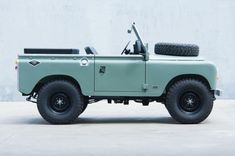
(160, 73)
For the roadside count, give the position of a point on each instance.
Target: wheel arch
(188, 76)
(50, 78)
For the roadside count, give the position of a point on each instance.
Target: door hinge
(145, 86)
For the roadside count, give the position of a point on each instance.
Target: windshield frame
(133, 27)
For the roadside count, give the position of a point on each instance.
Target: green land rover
(63, 82)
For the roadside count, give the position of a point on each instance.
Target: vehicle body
(136, 76)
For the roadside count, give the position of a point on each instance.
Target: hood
(174, 58)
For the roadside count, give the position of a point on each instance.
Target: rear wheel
(189, 101)
(60, 102)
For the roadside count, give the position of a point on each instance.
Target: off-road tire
(178, 106)
(176, 49)
(49, 107)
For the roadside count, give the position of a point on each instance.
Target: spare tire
(176, 49)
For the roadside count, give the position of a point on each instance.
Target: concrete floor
(115, 129)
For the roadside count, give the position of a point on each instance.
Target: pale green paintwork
(124, 75)
(166, 69)
(49, 65)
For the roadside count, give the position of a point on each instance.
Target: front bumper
(218, 92)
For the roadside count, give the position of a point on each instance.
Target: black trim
(51, 51)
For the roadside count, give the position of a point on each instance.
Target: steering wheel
(124, 50)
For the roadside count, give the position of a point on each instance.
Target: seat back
(90, 50)
(137, 47)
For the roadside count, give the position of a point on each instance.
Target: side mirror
(147, 46)
(146, 53)
(128, 31)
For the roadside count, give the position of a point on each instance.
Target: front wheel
(60, 102)
(189, 101)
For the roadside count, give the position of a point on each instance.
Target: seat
(137, 47)
(90, 50)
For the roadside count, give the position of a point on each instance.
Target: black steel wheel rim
(190, 102)
(59, 102)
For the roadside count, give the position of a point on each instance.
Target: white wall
(103, 24)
